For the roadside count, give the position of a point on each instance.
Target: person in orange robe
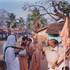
(24, 59)
(36, 58)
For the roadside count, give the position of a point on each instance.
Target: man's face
(23, 43)
(28, 43)
(51, 43)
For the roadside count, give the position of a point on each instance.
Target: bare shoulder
(45, 48)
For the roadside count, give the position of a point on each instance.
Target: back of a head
(11, 40)
(65, 68)
(25, 37)
(55, 41)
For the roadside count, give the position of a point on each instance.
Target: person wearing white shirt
(53, 53)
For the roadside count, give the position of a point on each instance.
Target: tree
(40, 7)
(62, 6)
(12, 17)
(43, 21)
(12, 20)
(35, 13)
(62, 10)
(36, 23)
(59, 10)
(21, 21)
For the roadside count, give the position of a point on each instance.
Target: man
(38, 61)
(24, 56)
(53, 53)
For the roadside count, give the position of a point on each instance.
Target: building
(55, 28)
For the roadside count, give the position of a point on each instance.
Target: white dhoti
(51, 57)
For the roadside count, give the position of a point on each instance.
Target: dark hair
(24, 38)
(55, 41)
(2, 65)
(65, 68)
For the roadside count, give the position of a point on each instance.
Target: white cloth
(11, 60)
(52, 56)
(23, 52)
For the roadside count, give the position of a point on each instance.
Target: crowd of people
(27, 53)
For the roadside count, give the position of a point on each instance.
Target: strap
(6, 50)
(11, 47)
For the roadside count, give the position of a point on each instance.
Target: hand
(55, 65)
(67, 56)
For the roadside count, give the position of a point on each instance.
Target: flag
(64, 34)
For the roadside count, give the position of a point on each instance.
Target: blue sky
(15, 6)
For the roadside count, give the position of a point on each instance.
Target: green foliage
(32, 18)
(21, 21)
(12, 20)
(62, 6)
(43, 21)
(12, 17)
(35, 14)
